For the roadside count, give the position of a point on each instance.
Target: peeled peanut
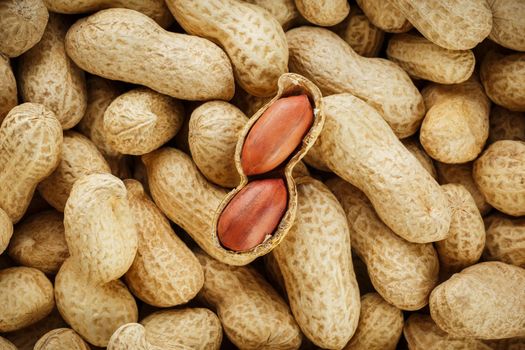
(284, 11)
(364, 38)
(8, 93)
(276, 134)
(47, 75)
(508, 27)
(466, 236)
(385, 16)
(265, 320)
(414, 147)
(39, 242)
(61, 339)
(403, 273)
(506, 125)
(165, 272)
(317, 53)
(7, 345)
(323, 13)
(505, 239)
(30, 151)
(79, 157)
(380, 325)
(22, 24)
(503, 77)
(252, 38)
(156, 9)
(452, 24)
(422, 333)
(462, 174)
(213, 132)
(499, 174)
(422, 59)
(322, 289)
(456, 125)
(26, 296)
(403, 193)
(6, 230)
(488, 291)
(134, 38)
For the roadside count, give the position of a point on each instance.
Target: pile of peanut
(262, 174)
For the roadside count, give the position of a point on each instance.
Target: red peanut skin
(276, 134)
(252, 214)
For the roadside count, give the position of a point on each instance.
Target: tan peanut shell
(403, 273)
(364, 38)
(499, 174)
(6, 230)
(414, 147)
(134, 38)
(7, 345)
(39, 242)
(452, 24)
(456, 125)
(252, 38)
(506, 125)
(79, 157)
(141, 120)
(422, 333)
(322, 290)
(165, 272)
(385, 16)
(214, 129)
(503, 77)
(8, 93)
(26, 296)
(422, 59)
(488, 291)
(317, 53)
(22, 24)
(505, 239)
(284, 11)
(462, 174)
(61, 339)
(156, 9)
(380, 325)
(252, 314)
(508, 27)
(323, 13)
(47, 75)
(403, 193)
(30, 151)
(466, 236)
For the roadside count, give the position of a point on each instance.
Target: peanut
(251, 37)
(134, 37)
(403, 193)
(489, 291)
(456, 124)
(323, 13)
(276, 134)
(61, 339)
(213, 132)
(422, 59)
(30, 151)
(39, 242)
(6, 230)
(8, 94)
(499, 174)
(508, 28)
(452, 24)
(385, 16)
(506, 125)
(79, 157)
(503, 79)
(414, 147)
(47, 76)
(165, 272)
(403, 273)
(316, 53)
(364, 38)
(7, 345)
(266, 320)
(322, 289)
(22, 24)
(380, 325)
(505, 239)
(284, 11)
(26, 296)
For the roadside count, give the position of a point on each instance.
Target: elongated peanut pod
(323, 13)
(61, 339)
(505, 239)
(385, 16)
(276, 134)
(8, 93)
(403, 193)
